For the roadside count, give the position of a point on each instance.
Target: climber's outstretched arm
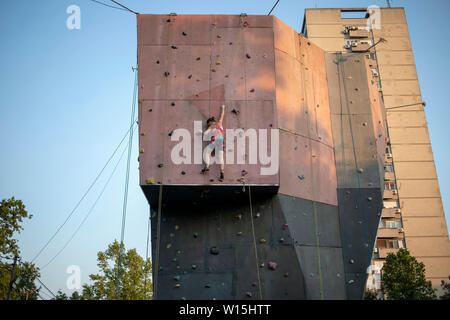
(222, 113)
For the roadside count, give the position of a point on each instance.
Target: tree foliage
(403, 278)
(12, 214)
(135, 275)
(446, 289)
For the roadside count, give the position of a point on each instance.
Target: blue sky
(65, 103)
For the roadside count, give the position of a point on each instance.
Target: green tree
(135, 274)
(60, 296)
(446, 289)
(12, 214)
(403, 278)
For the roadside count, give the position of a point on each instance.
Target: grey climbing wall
(357, 165)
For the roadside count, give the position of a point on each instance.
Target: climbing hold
(183, 173)
(172, 104)
(143, 134)
(254, 284)
(309, 43)
(178, 267)
(141, 151)
(262, 240)
(213, 70)
(249, 294)
(347, 192)
(195, 235)
(352, 261)
(169, 246)
(170, 133)
(272, 265)
(177, 278)
(174, 260)
(244, 172)
(364, 124)
(150, 181)
(265, 56)
(198, 58)
(166, 74)
(159, 165)
(247, 55)
(177, 285)
(258, 214)
(281, 240)
(360, 170)
(211, 180)
(218, 62)
(174, 47)
(239, 233)
(214, 251)
(171, 235)
(207, 285)
(286, 274)
(184, 33)
(301, 177)
(160, 268)
(261, 265)
(239, 217)
(157, 61)
(190, 76)
(178, 251)
(252, 90)
(261, 207)
(369, 198)
(194, 266)
(214, 24)
(295, 148)
(285, 226)
(236, 112)
(177, 227)
(142, 87)
(351, 281)
(311, 274)
(150, 110)
(219, 36)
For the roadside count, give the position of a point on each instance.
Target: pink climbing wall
(266, 75)
(307, 165)
(212, 60)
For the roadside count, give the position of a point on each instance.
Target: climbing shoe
(221, 176)
(205, 170)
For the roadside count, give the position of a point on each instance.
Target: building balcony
(389, 176)
(390, 194)
(389, 233)
(391, 213)
(383, 252)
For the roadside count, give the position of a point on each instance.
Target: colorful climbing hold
(198, 58)
(177, 285)
(239, 217)
(239, 233)
(272, 265)
(261, 265)
(194, 266)
(183, 173)
(247, 55)
(184, 33)
(285, 226)
(169, 246)
(249, 294)
(301, 177)
(174, 47)
(170, 133)
(177, 227)
(160, 165)
(150, 181)
(166, 74)
(195, 235)
(252, 90)
(286, 274)
(214, 251)
(177, 278)
(262, 240)
(150, 110)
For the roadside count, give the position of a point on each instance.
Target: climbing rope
(254, 243)
(127, 179)
(316, 227)
(158, 226)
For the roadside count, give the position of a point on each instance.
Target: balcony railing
(389, 233)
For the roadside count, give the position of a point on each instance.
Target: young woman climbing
(216, 135)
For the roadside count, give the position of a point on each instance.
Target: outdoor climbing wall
(297, 234)
(359, 138)
(189, 65)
